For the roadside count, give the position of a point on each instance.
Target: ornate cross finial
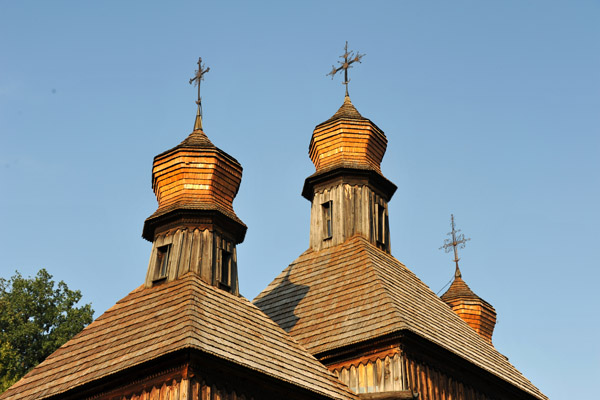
(196, 80)
(458, 241)
(349, 59)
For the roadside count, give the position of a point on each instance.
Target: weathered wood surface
(432, 384)
(354, 211)
(374, 375)
(186, 389)
(195, 250)
(393, 395)
(392, 376)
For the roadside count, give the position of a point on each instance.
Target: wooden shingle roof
(183, 314)
(355, 292)
(460, 290)
(346, 111)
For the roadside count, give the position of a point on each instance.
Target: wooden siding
(433, 384)
(354, 211)
(383, 374)
(193, 250)
(186, 389)
(392, 371)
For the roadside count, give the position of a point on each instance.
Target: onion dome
(475, 311)
(348, 140)
(192, 176)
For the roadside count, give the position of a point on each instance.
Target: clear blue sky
(491, 110)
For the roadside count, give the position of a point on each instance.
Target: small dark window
(225, 276)
(327, 224)
(380, 223)
(162, 261)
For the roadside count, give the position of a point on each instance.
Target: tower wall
(350, 209)
(200, 251)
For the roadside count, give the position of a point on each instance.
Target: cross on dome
(349, 58)
(198, 77)
(457, 241)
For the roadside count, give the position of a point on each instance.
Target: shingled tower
(478, 313)
(349, 194)
(359, 310)
(195, 228)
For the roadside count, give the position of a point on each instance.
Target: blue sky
(490, 110)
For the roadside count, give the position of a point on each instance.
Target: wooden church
(345, 320)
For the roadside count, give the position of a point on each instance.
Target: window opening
(162, 261)
(327, 219)
(225, 276)
(380, 224)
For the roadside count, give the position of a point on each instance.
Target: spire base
(198, 122)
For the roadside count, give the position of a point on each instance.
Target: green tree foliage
(36, 318)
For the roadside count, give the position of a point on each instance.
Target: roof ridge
(300, 352)
(382, 281)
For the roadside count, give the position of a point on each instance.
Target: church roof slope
(355, 292)
(183, 314)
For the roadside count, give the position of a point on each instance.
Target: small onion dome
(194, 175)
(475, 311)
(348, 140)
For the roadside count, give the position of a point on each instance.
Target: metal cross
(196, 80)
(349, 59)
(458, 241)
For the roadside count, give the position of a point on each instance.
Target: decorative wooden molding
(357, 176)
(211, 219)
(396, 395)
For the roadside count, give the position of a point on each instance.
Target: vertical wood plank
(186, 252)
(196, 389)
(396, 368)
(151, 267)
(345, 374)
(164, 392)
(361, 378)
(184, 388)
(206, 255)
(205, 392)
(174, 255)
(174, 390)
(353, 379)
(369, 383)
(379, 380)
(154, 393)
(195, 247)
(388, 383)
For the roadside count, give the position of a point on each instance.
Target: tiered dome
(194, 175)
(475, 311)
(349, 140)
